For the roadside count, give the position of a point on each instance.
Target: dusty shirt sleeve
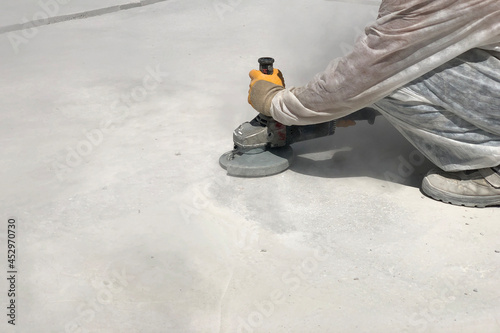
(409, 39)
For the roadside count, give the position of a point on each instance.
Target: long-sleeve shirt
(409, 39)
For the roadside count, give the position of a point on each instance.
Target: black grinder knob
(266, 65)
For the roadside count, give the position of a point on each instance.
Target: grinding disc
(257, 162)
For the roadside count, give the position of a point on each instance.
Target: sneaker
(475, 188)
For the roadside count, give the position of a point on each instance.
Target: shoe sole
(457, 199)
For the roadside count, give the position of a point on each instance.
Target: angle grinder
(262, 145)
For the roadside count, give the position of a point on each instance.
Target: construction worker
(432, 68)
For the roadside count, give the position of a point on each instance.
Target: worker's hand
(276, 77)
(263, 88)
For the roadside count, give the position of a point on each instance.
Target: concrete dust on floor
(111, 131)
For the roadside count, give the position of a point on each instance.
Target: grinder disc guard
(258, 162)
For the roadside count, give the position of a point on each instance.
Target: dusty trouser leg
(452, 114)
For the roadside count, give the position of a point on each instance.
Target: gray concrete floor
(111, 132)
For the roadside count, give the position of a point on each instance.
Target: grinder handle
(266, 67)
